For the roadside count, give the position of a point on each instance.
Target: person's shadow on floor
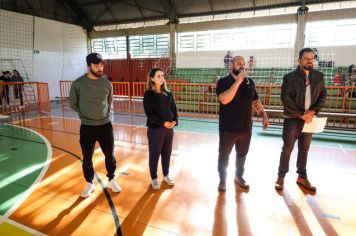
(136, 221)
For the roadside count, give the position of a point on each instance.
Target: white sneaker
(114, 186)
(88, 190)
(155, 184)
(168, 180)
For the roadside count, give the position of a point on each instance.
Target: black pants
(18, 94)
(160, 141)
(226, 142)
(105, 136)
(5, 94)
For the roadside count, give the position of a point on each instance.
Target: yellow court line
(10, 227)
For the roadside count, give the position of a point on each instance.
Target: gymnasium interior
(46, 43)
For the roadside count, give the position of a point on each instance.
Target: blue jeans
(292, 131)
(226, 142)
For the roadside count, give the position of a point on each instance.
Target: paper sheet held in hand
(316, 126)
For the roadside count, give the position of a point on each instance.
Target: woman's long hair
(151, 84)
(17, 73)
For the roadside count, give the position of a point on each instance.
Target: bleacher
(259, 75)
(197, 97)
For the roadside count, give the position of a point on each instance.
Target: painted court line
(20, 226)
(37, 180)
(342, 149)
(188, 132)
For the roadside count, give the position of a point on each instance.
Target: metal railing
(199, 100)
(24, 96)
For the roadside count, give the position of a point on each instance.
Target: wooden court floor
(193, 206)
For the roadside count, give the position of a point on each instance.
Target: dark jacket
(156, 116)
(293, 92)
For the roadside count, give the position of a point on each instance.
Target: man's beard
(236, 71)
(308, 67)
(97, 74)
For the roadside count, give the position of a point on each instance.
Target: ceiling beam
(110, 12)
(83, 19)
(32, 8)
(140, 10)
(134, 20)
(211, 7)
(120, 1)
(270, 6)
(170, 10)
(100, 15)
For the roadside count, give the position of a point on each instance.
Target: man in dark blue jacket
(303, 96)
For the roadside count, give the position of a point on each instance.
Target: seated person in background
(351, 81)
(316, 57)
(216, 76)
(351, 75)
(351, 92)
(271, 76)
(338, 77)
(227, 59)
(251, 63)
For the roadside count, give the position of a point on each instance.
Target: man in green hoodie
(91, 96)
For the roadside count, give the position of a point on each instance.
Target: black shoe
(222, 187)
(279, 184)
(306, 184)
(240, 181)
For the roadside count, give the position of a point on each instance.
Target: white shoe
(88, 190)
(168, 180)
(114, 186)
(155, 184)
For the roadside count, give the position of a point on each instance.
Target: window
(144, 46)
(221, 40)
(162, 43)
(98, 45)
(283, 37)
(109, 45)
(268, 36)
(186, 42)
(331, 33)
(203, 41)
(148, 44)
(240, 39)
(110, 48)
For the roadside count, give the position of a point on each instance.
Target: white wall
(48, 63)
(16, 42)
(61, 49)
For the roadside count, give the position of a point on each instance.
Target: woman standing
(161, 113)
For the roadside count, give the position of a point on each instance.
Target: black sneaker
(240, 181)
